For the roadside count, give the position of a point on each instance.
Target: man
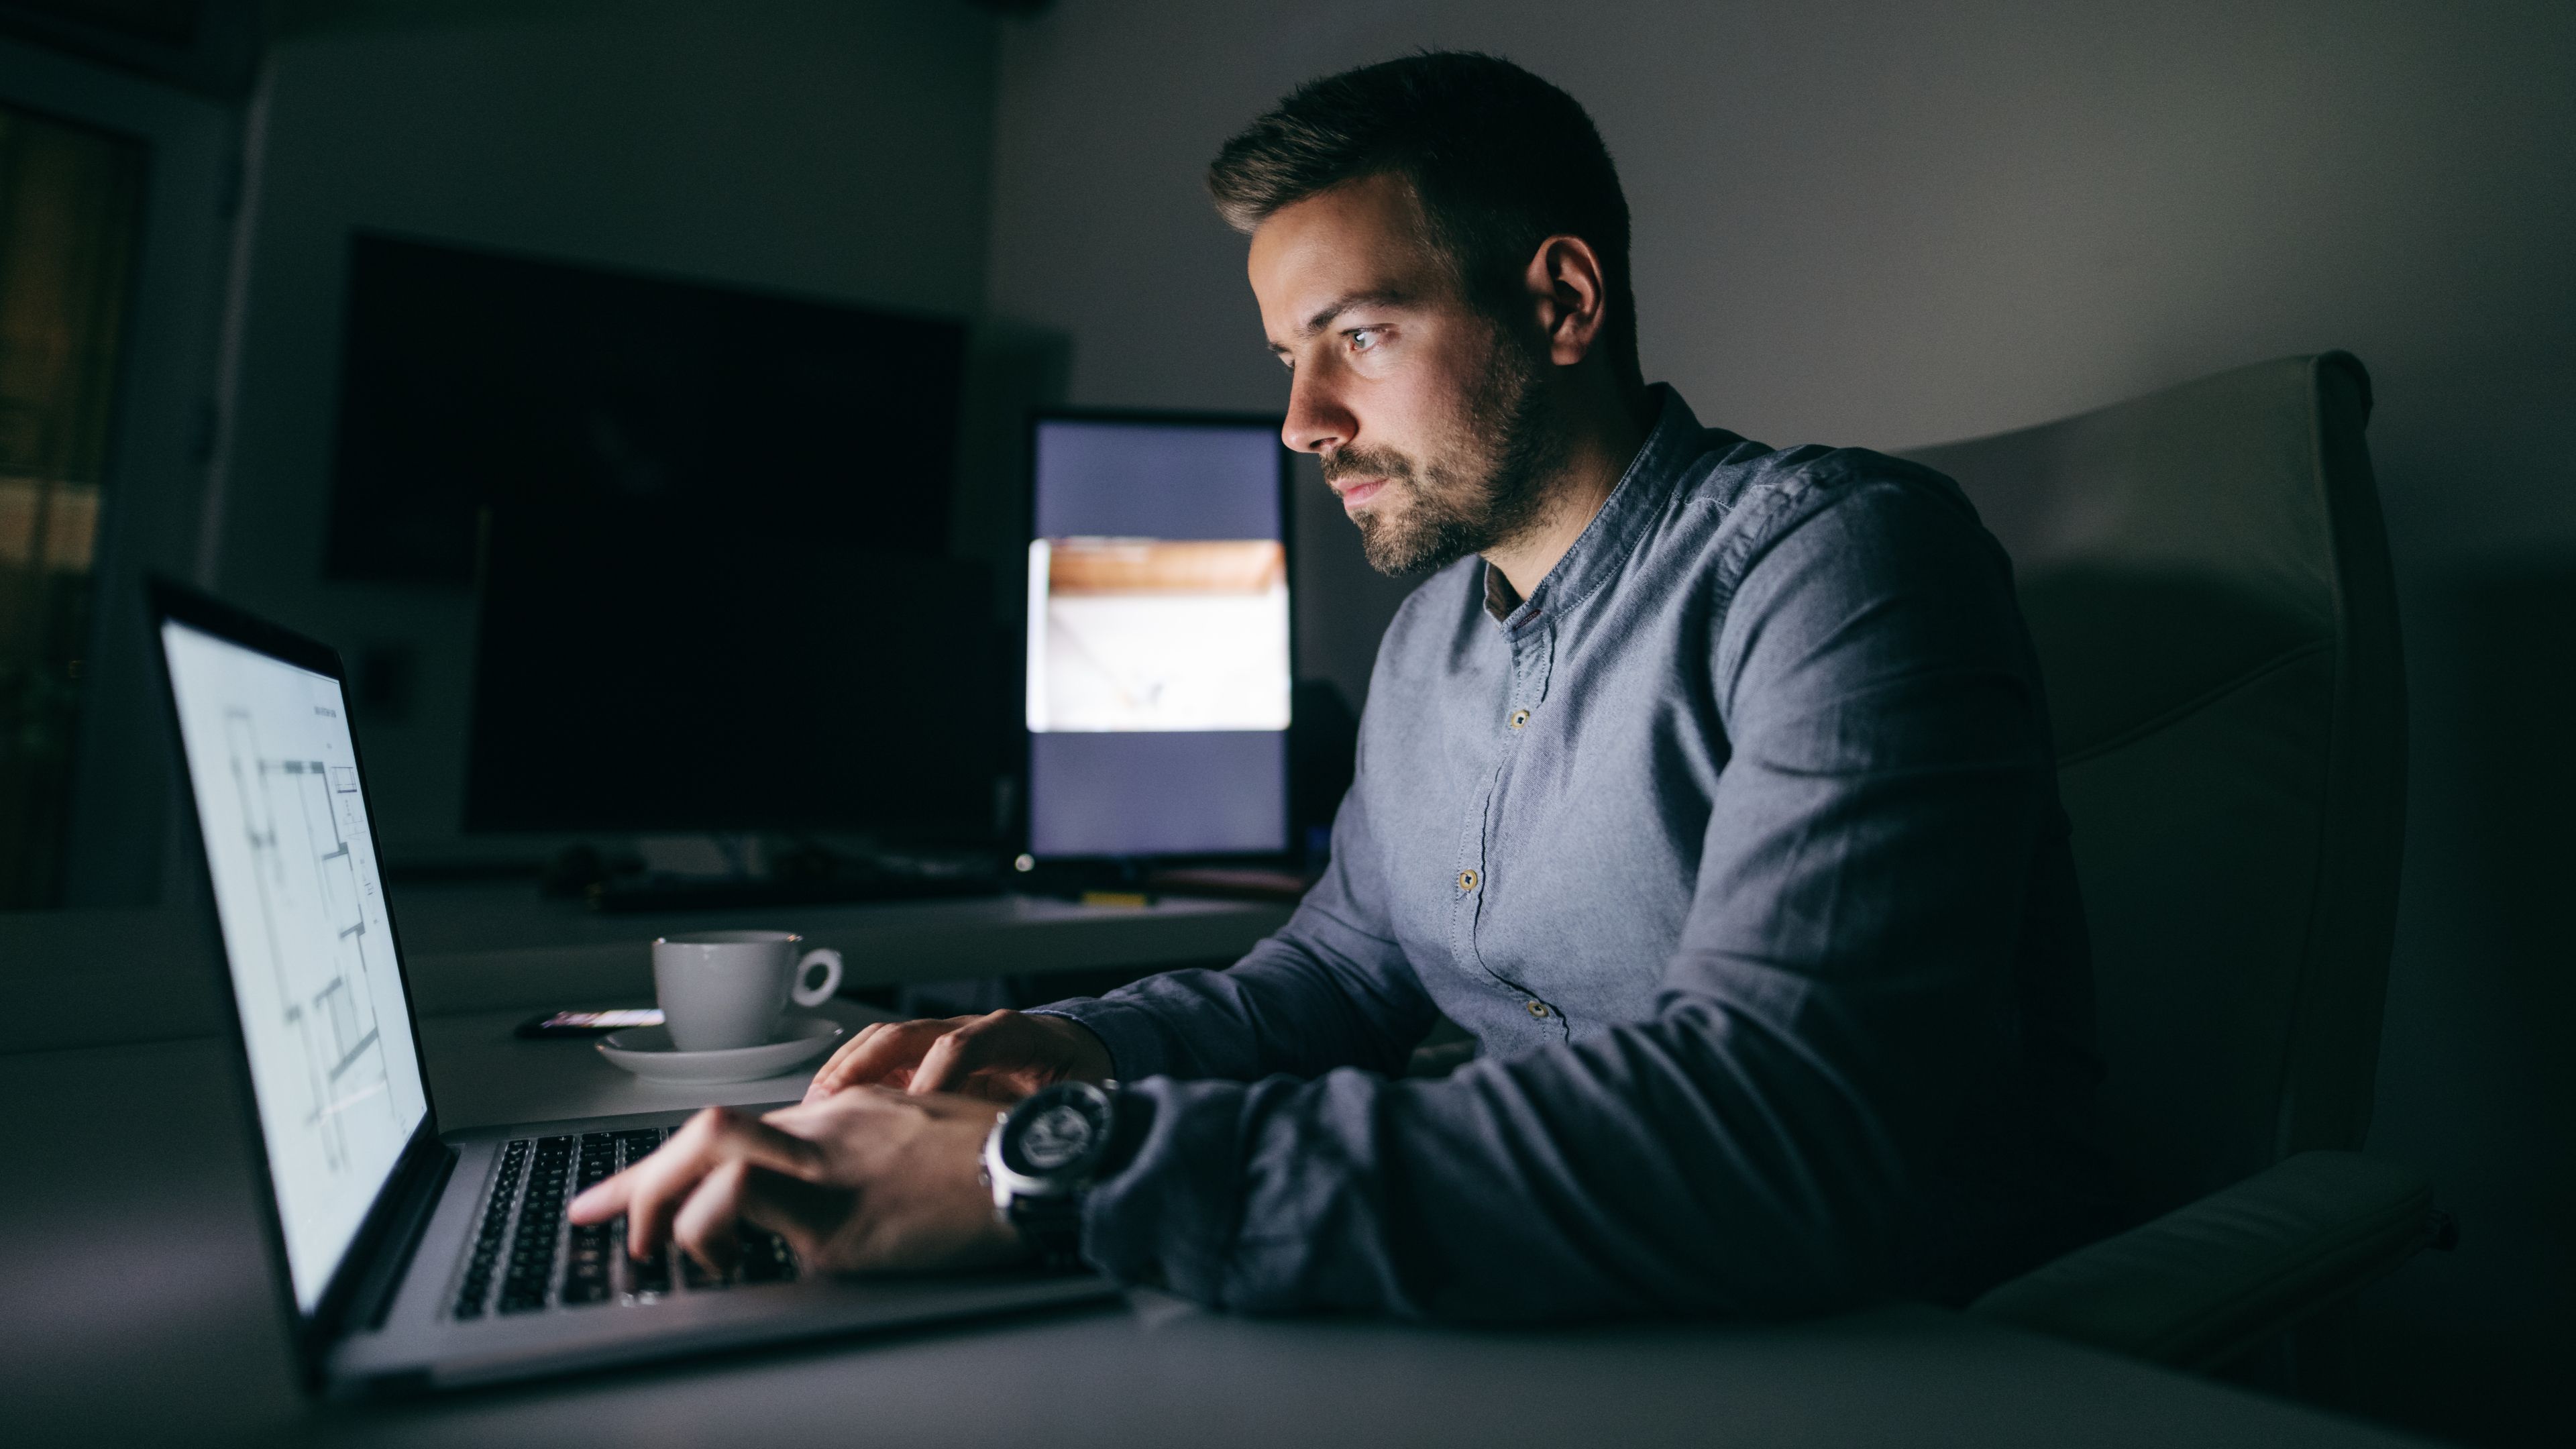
(1708, 786)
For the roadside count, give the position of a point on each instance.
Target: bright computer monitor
(1159, 645)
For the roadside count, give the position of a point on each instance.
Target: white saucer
(647, 1052)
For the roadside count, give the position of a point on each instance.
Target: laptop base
(422, 1343)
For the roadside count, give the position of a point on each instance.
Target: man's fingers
(827, 1077)
(805, 1214)
(655, 1187)
(601, 1201)
(653, 1190)
(707, 1226)
(840, 1069)
(704, 1227)
(951, 1057)
(877, 1051)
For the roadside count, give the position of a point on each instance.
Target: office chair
(2206, 579)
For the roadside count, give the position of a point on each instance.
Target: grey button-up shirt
(1736, 846)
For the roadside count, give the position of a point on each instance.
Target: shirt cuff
(1167, 1218)
(1131, 1033)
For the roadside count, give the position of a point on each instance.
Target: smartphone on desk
(588, 1023)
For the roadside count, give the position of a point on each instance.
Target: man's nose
(1317, 420)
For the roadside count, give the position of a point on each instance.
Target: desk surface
(482, 1075)
(487, 945)
(143, 1312)
(89, 978)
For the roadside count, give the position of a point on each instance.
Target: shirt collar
(1602, 549)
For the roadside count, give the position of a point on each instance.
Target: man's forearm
(1315, 996)
(1685, 1166)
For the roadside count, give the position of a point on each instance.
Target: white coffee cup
(724, 989)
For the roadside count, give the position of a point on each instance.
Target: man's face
(1429, 415)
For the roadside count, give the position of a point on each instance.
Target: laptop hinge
(374, 1297)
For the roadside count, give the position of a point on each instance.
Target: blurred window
(70, 209)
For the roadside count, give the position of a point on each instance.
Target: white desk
(142, 1311)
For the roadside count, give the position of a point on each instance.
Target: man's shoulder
(1738, 498)
(1736, 473)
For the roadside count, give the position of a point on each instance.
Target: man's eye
(1364, 339)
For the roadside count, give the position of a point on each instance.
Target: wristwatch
(1044, 1154)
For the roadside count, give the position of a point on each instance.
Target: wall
(830, 148)
(1895, 224)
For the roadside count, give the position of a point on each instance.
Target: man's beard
(1490, 489)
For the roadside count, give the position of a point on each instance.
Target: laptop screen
(305, 934)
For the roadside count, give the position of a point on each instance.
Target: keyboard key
(653, 1275)
(537, 1261)
(766, 1258)
(586, 1277)
(523, 1259)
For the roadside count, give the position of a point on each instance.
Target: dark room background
(1857, 221)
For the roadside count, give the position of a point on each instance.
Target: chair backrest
(2206, 579)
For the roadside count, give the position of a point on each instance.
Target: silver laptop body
(406, 1256)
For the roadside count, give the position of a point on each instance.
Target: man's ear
(1569, 296)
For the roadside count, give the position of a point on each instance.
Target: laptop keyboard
(524, 1258)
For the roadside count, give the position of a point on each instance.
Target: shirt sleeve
(1837, 1009)
(1329, 989)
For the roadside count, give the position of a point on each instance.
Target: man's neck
(1603, 442)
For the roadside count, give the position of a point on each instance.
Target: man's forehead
(1360, 240)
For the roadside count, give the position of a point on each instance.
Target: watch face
(1056, 1134)
(1056, 1138)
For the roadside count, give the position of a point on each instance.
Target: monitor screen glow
(1137, 634)
(1159, 672)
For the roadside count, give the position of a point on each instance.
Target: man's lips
(1355, 493)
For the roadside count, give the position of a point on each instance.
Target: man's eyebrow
(1374, 297)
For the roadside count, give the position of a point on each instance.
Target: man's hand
(1000, 1057)
(869, 1180)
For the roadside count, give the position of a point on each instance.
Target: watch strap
(1053, 1226)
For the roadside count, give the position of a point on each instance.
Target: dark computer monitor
(1160, 653)
(476, 381)
(675, 672)
(710, 528)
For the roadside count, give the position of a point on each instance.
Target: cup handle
(831, 960)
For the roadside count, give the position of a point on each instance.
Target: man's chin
(1408, 552)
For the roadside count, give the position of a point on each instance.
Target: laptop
(408, 1256)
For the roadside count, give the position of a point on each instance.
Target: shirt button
(1466, 880)
(1538, 1009)
(1519, 717)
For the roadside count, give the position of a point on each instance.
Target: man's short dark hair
(1499, 159)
